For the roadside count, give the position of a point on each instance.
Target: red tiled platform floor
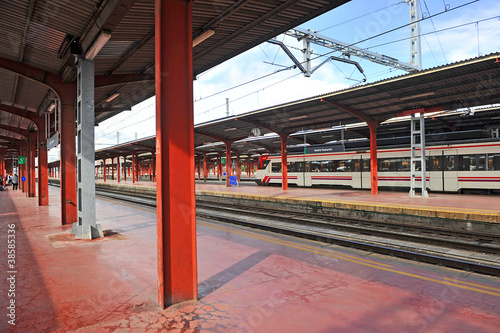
(249, 281)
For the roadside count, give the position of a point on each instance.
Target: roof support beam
(372, 125)
(108, 80)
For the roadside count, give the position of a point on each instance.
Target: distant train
(457, 162)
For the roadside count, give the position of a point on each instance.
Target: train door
(357, 172)
(436, 170)
(300, 168)
(450, 172)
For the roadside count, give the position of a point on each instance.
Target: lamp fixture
(230, 129)
(112, 97)
(431, 93)
(297, 118)
(203, 37)
(51, 107)
(98, 44)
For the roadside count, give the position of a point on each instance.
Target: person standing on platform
(15, 181)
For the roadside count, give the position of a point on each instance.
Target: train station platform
(446, 206)
(248, 281)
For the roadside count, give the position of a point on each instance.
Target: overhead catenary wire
(434, 27)
(447, 10)
(440, 30)
(358, 17)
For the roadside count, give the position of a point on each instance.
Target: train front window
(263, 164)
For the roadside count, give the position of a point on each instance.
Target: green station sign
(22, 159)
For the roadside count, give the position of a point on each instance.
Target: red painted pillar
(118, 168)
(197, 160)
(105, 170)
(238, 166)
(284, 163)
(373, 156)
(67, 173)
(2, 168)
(125, 168)
(176, 216)
(228, 162)
(133, 168)
(154, 166)
(205, 169)
(43, 174)
(219, 166)
(21, 168)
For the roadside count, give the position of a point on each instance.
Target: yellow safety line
(389, 205)
(472, 284)
(461, 286)
(300, 247)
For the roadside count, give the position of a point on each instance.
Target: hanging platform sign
(53, 141)
(22, 159)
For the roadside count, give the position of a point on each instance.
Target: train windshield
(263, 164)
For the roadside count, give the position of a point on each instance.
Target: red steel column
(205, 169)
(118, 168)
(133, 168)
(43, 174)
(176, 216)
(284, 162)
(373, 157)
(238, 166)
(228, 162)
(198, 167)
(32, 154)
(2, 168)
(67, 173)
(125, 168)
(22, 169)
(219, 166)
(105, 170)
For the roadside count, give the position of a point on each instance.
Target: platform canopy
(45, 35)
(440, 91)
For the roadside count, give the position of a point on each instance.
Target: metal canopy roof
(32, 32)
(469, 83)
(465, 84)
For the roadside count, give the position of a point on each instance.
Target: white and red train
(464, 165)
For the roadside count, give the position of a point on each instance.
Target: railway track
(452, 248)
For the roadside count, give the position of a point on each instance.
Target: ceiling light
(299, 117)
(51, 107)
(230, 129)
(112, 97)
(431, 93)
(203, 36)
(97, 45)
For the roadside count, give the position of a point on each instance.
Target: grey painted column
(86, 227)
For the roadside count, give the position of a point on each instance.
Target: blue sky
(355, 21)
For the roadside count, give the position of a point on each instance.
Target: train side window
(481, 162)
(263, 165)
(494, 162)
(300, 166)
(405, 164)
(315, 166)
(357, 165)
(437, 163)
(344, 166)
(276, 167)
(366, 165)
(449, 161)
